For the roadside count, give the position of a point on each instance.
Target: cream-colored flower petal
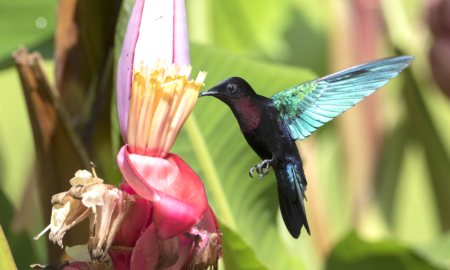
(83, 177)
(94, 196)
(114, 193)
(59, 214)
(83, 174)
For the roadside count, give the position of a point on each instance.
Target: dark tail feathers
(291, 188)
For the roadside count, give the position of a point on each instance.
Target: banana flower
(155, 95)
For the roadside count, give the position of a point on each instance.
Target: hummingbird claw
(262, 168)
(267, 169)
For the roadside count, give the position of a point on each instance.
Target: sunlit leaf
(25, 22)
(290, 32)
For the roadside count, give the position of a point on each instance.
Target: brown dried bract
(106, 205)
(207, 249)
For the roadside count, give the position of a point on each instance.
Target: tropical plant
(378, 176)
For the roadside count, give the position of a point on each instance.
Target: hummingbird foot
(262, 168)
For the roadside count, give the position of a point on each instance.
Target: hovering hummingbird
(272, 125)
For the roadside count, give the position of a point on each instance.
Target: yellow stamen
(161, 100)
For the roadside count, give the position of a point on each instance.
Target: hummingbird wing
(307, 106)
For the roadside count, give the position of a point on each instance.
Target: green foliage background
(274, 45)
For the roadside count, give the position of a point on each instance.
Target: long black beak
(210, 92)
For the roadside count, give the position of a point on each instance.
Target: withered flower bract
(105, 204)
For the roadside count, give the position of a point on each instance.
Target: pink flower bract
(177, 193)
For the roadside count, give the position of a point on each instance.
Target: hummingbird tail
(291, 190)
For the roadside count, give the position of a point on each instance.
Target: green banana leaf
(285, 31)
(27, 23)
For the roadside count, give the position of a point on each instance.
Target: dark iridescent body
(271, 126)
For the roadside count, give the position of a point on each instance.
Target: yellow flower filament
(161, 101)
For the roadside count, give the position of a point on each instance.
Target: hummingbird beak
(210, 92)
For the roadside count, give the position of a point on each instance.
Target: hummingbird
(271, 126)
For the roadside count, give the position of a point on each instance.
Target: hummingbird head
(230, 89)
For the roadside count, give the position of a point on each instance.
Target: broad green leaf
(6, 259)
(212, 144)
(355, 253)
(290, 32)
(25, 22)
(237, 254)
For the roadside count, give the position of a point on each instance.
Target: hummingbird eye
(231, 88)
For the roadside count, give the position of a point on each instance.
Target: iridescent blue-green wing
(308, 106)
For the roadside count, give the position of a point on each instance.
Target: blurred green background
(378, 176)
